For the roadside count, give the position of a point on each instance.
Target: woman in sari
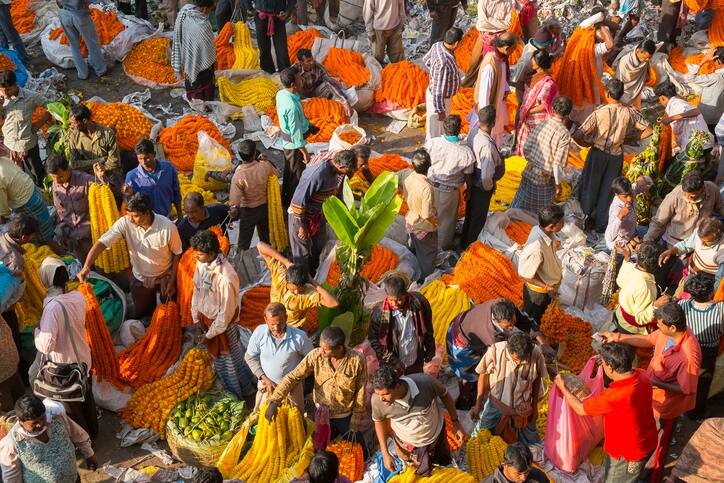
(633, 71)
(538, 99)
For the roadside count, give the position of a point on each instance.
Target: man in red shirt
(673, 370)
(628, 420)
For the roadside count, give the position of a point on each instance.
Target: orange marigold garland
(518, 231)
(23, 17)
(464, 52)
(677, 60)
(348, 66)
(107, 25)
(461, 105)
(150, 59)
(103, 352)
(381, 261)
(716, 28)
(326, 114)
(575, 333)
(577, 76)
(253, 303)
(387, 162)
(708, 67)
(452, 440)
(304, 39)
(403, 84)
(351, 459)
(130, 124)
(180, 141)
(516, 29)
(225, 56)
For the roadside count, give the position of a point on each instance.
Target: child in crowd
(622, 228)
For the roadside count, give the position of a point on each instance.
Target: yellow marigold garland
(103, 213)
(277, 229)
(484, 454)
(246, 56)
(259, 92)
(447, 303)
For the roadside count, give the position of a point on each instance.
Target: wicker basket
(192, 452)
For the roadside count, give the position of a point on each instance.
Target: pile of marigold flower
(348, 66)
(259, 92)
(107, 25)
(225, 56)
(484, 453)
(22, 16)
(381, 261)
(6, 63)
(180, 141)
(485, 274)
(351, 458)
(439, 474)
(130, 124)
(576, 73)
(30, 307)
(446, 303)
(350, 137)
(403, 84)
(326, 114)
(518, 231)
(461, 105)
(575, 333)
(150, 59)
(387, 162)
(507, 186)
(253, 303)
(103, 351)
(304, 39)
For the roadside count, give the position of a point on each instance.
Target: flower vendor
(270, 21)
(248, 198)
(215, 311)
(494, 18)
(307, 224)
(471, 333)
(706, 246)
(316, 81)
(489, 168)
(421, 220)
(158, 179)
(453, 163)
(633, 70)
(491, 85)
(546, 150)
(199, 217)
(70, 198)
(622, 226)
(444, 81)
(711, 86)
(77, 23)
(401, 332)
(510, 382)
(384, 21)
(193, 55)
(293, 287)
(705, 317)
(340, 376)
(406, 410)
(539, 264)
(517, 467)
(39, 438)
(294, 127)
(90, 144)
(154, 249)
(274, 350)
(18, 106)
(606, 129)
(673, 372)
(60, 339)
(629, 428)
(683, 117)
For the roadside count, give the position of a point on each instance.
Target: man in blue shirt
(274, 350)
(199, 217)
(158, 179)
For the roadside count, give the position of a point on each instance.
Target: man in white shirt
(154, 248)
(683, 117)
(385, 21)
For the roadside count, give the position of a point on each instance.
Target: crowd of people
(667, 270)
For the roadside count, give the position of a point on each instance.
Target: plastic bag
(109, 397)
(130, 332)
(570, 437)
(384, 474)
(336, 143)
(9, 283)
(211, 156)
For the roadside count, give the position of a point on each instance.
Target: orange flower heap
(403, 84)
(107, 25)
(150, 59)
(23, 17)
(130, 124)
(326, 114)
(381, 261)
(576, 74)
(485, 274)
(351, 459)
(304, 39)
(387, 162)
(518, 231)
(350, 137)
(103, 352)
(348, 66)
(225, 56)
(253, 303)
(464, 52)
(461, 105)
(6, 63)
(180, 141)
(562, 328)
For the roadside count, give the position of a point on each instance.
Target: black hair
(206, 242)
(61, 277)
(204, 3)
(303, 54)
(543, 59)
(648, 256)
(275, 309)
(671, 314)
(452, 125)
(506, 39)
(395, 286)
(29, 407)
(550, 215)
(700, 286)
(521, 345)
(7, 79)
(362, 151)
(618, 357)
(323, 467)
(287, 76)
(145, 146)
(614, 88)
(421, 161)
(710, 226)
(247, 150)
(332, 336)
(139, 203)
(486, 115)
(453, 36)
(346, 159)
(621, 186)
(195, 197)
(692, 182)
(503, 309)
(80, 112)
(719, 53)
(208, 474)
(518, 456)
(55, 163)
(562, 105)
(648, 46)
(297, 274)
(386, 377)
(23, 225)
(665, 89)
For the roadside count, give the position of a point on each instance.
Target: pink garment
(270, 24)
(51, 336)
(543, 92)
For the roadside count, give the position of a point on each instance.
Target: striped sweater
(193, 48)
(706, 324)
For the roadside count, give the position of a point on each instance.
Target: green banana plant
(359, 227)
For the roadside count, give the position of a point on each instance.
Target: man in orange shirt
(673, 370)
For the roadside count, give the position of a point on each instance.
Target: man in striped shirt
(444, 81)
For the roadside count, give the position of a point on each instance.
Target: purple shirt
(71, 204)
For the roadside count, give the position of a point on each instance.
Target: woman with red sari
(537, 102)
